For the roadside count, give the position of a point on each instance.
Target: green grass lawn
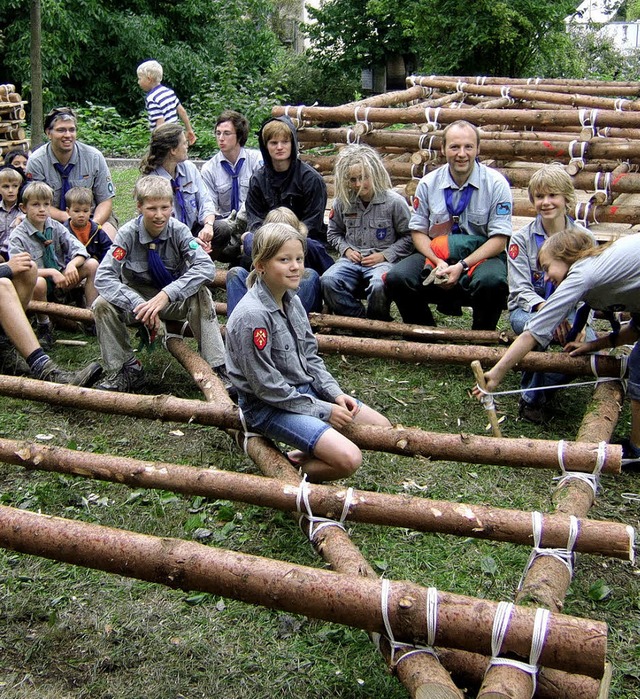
(69, 632)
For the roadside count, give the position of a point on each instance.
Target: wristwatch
(465, 266)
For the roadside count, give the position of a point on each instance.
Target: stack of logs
(591, 127)
(12, 116)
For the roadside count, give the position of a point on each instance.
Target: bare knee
(347, 460)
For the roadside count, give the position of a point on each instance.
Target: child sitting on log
(155, 270)
(63, 262)
(284, 389)
(606, 277)
(552, 194)
(369, 227)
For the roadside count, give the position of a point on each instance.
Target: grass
(69, 632)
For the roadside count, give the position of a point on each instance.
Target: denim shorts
(299, 431)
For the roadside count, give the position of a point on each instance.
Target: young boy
(17, 340)
(62, 261)
(10, 183)
(552, 194)
(91, 234)
(155, 270)
(163, 106)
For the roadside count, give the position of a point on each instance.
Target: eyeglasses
(224, 134)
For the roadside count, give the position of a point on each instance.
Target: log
(617, 87)
(463, 622)
(323, 321)
(416, 115)
(594, 214)
(529, 453)
(420, 514)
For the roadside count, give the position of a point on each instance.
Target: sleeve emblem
(503, 208)
(119, 253)
(260, 338)
(416, 203)
(514, 251)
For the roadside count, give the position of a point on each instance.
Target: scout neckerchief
(64, 171)
(457, 210)
(180, 205)
(49, 259)
(157, 269)
(234, 173)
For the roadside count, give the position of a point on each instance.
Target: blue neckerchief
(157, 269)
(64, 171)
(455, 211)
(542, 288)
(234, 173)
(180, 205)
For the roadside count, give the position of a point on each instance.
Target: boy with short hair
(91, 234)
(155, 270)
(17, 339)
(10, 183)
(62, 261)
(162, 103)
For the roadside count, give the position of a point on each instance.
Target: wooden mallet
(487, 401)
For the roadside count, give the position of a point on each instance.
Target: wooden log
(527, 93)
(526, 453)
(594, 214)
(617, 88)
(463, 622)
(321, 322)
(417, 513)
(479, 117)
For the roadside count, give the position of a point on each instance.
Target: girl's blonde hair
(553, 179)
(282, 214)
(371, 166)
(268, 240)
(571, 245)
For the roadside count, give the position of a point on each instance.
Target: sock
(36, 360)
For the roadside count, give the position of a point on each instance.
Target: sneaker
(630, 456)
(537, 414)
(128, 379)
(11, 361)
(82, 377)
(44, 333)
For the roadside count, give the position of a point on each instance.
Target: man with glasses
(65, 162)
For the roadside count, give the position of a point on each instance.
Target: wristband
(465, 266)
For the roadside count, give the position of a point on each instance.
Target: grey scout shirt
(609, 281)
(381, 225)
(219, 182)
(270, 352)
(23, 239)
(90, 170)
(522, 261)
(487, 214)
(126, 264)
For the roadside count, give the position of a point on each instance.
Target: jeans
(308, 291)
(345, 282)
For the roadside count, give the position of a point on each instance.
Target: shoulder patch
(503, 208)
(416, 203)
(260, 338)
(331, 213)
(514, 251)
(119, 253)
(193, 245)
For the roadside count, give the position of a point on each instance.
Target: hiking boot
(82, 377)
(128, 379)
(537, 414)
(11, 361)
(630, 456)
(44, 333)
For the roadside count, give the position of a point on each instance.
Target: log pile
(592, 128)
(12, 120)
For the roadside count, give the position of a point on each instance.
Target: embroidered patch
(260, 337)
(503, 208)
(331, 214)
(416, 203)
(193, 245)
(381, 233)
(119, 253)
(514, 251)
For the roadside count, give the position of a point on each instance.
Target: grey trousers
(198, 311)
